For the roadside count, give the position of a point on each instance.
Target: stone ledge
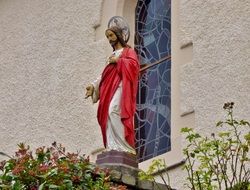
(124, 170)
(122, 175)
(129, 177)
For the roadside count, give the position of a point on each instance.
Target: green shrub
(158, 167)
(219, 161)
(241, 186)
(50, 168)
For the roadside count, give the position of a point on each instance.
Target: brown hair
(118, 32)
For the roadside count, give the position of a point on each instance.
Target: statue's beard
(113, 43)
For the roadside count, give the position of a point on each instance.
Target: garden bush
(220, 161)
(51, 168)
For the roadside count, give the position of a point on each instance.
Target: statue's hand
(113, 59)
(89, 91)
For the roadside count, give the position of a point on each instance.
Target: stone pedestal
(113, 157)
(124, 170)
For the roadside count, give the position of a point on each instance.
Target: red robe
(125, 70)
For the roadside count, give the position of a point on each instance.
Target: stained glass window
(153, 45)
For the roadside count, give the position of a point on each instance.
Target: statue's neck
(118, 46)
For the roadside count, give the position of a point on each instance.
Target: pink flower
(43, 168)
(17, 170)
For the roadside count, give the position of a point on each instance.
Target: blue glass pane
(153, 43)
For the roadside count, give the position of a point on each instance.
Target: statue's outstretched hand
(89, 91)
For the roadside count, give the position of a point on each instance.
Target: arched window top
(153, 29)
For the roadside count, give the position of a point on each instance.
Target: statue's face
(112, 38)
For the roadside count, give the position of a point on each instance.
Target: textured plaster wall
(219, 72)
(48, 55)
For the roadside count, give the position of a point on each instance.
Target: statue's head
(118, 27)
(115, 35)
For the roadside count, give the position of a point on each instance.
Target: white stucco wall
(220, 68)
(48, 55)
(219, 71)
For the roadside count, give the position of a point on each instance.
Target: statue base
(113, 157)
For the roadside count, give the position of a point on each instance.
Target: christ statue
(116, 91)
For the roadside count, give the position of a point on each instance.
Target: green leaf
(192, 155)
(53, 172)
(17, 186)
(196, 151)
(243, 122)
(224, 134)
(219, 123)
(5, 186)
(186, 130)
(197, 135)
(53, 186)
(247, 137)
(41, 186)
(235, 122)
(68, 183)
